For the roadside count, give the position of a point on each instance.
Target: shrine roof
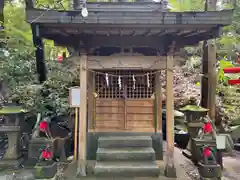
(134, 20)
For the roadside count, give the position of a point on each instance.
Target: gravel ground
(19, 175)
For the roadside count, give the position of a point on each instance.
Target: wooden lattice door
(125, 106)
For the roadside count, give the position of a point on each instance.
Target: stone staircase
(126, 156)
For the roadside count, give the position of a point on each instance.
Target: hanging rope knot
(148, 80)
(107, 79)
(119, 82)
(134, 82)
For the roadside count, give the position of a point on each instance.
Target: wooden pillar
(83, 115)
(209, 80)
(212, 80)
(90, 100)
(170, 170)
(38, 43)
(158, 104)
(76, 4)
(39, 53)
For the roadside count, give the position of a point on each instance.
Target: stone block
(126, 154)
(45, 169)
(209, 170)
(36, 145)
(126, 169)
(124, 141)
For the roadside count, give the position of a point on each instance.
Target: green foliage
(227, 46)
(54, 4)
(230, 94)
(187, 5)
(221, 76)
(18, 67)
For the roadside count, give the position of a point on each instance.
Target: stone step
(126, 154)
(126, 169)
(124, 141)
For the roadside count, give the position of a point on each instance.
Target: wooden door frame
(133, 125)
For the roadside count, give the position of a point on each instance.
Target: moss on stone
(193, 108)
(12, 110)
(38, 171)
(175, 113)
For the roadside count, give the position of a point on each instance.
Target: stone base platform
(11, 163)
(70, 173)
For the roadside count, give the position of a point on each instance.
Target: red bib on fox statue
(43, 126)
(207, 127)
(207, 152)
(46, 154)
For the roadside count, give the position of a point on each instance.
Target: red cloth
(43, 126)
(234, 81)
(232, 70)
(207, 127)
(46, 154)
(59, 58)
(207, 152)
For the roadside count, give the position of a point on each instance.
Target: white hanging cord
(107, 80)
(148, 81)
(134, 82)
(119, 82)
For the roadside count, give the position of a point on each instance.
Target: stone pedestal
(13, 133)
(197, 145)
(12, 155)
(36, 145)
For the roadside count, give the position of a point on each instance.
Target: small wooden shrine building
(122, 47)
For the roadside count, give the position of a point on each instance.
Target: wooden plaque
(221, 142)
(74, 97)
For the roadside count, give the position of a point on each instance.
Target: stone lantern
(193, 122)
(205, 150)
(12, 124)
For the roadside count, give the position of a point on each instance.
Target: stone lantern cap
(193, 108)
(175, 113)
(12, 110)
